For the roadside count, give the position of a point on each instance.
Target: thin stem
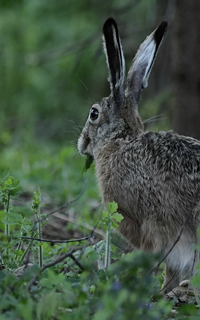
(25, 252)
(36, 209)
(7, 229)
(39, 233)
(40, 236)
(108, 245)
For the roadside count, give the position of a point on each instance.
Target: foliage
(74, 281)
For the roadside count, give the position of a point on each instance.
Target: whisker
(155, 118)
(77, 154)
(73, 134)
(71, 121)
(70, 131)
(78, 129)
(76, 121)
(91, 100)
(72, 141)
(81, 127)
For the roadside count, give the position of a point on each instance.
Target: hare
(154, 177)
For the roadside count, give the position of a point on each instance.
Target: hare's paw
(184, 283)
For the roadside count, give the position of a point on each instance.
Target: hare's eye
(94, 114)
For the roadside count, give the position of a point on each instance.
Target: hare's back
(170, 153)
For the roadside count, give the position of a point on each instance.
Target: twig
(53, 263)
(177, 297)
(170, 250)
(168, 284)
(77, 262)
(58, 260)
(59, 241)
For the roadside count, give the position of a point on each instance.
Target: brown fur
(153, 177)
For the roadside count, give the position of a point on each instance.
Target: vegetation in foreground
(87, 278)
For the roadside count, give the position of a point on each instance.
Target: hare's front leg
(172, 279)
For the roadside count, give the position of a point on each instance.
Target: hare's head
(117, 115)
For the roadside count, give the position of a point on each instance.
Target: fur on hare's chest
(122, 178)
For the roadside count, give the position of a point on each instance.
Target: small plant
(9, 189)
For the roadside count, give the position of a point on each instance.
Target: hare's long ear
(142, 63)
(115, 59)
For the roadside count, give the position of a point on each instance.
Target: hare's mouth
(84, 145)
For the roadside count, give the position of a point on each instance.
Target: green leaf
(112, 207)
(88, 163)
(13, 218)
(114, 225)
(118, 217)
(89, 249)
(10, 187)
(52, 279)
(104, 214)
(93, 256)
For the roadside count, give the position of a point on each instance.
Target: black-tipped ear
(143, 62)
(159, 33)
(114, 57)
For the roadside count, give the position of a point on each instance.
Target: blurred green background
(52, 68)
(51, 52)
